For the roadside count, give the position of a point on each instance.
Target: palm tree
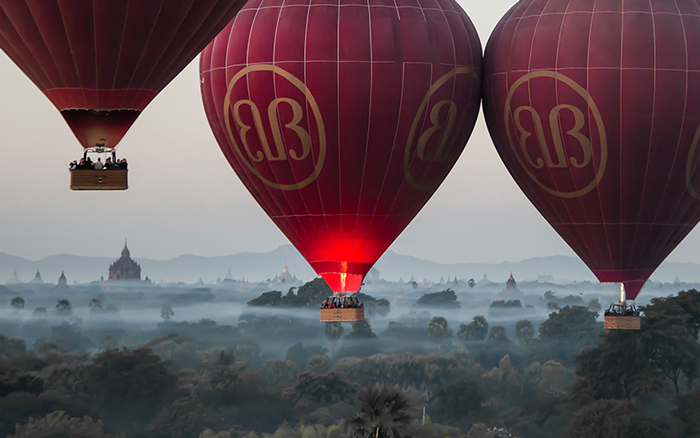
(108, 342)
(95, 304)
(333, 332)
(166, 313)
(381, 412)
(221, 368)
(63, 308)
(218, 358)
(438, 329)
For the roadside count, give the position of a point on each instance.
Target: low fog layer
(247, 359)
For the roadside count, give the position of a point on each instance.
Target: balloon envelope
(343, 118)
(594, 108)
(100, 62)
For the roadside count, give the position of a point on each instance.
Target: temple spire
(125, 251)
(510, 284)
(37, 278)
(15, 278)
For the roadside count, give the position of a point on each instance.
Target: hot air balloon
(594, 108)
(100, 62)
(342, 119)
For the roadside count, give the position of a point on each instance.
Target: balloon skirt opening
(633, 279)
(102, 129)
(342, 277)
(342, 283)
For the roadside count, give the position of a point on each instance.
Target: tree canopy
(381, 412)
(438, 329)
(664, 351)
(474, 331)
(566, 333)
(524, 331)
(612, 419)
(446, 298)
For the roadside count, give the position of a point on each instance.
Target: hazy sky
(185, 199)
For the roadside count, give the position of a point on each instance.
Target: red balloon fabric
(100, 62)
(343, 117)
(594, 108)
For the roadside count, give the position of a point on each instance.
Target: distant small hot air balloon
(343, 118)
(100, 62)
(594, 108)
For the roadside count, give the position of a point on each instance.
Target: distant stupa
(125, 268)
(15, 279)
(37, 278)
(511, 291)
(285, 276)
(62, 285)
(62, 281)
(510, 284)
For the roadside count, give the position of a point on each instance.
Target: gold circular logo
(545, 159)
(438, 142)
(265, 151)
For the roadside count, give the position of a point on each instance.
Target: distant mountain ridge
(266, 265)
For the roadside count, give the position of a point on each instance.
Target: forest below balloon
(187, 361)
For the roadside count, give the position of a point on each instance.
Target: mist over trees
(274, 371)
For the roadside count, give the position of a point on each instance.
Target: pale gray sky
(185, 199)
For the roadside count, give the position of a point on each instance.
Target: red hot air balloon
(594, 108)
(100, 62)
(342, 117)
